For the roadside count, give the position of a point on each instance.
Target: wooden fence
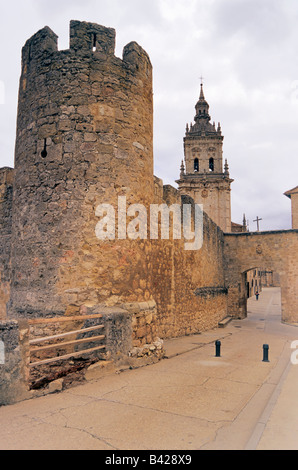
(64, 340)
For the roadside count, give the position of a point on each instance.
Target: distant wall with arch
(275, 250)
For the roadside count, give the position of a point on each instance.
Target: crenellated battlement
(91, 37)
(86, 40)
(135, 55)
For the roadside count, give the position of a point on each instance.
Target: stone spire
(182, 169)
(202, 97)
(202, 108)
(202, 119)
(244, 224)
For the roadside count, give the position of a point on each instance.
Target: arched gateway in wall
(275, 250)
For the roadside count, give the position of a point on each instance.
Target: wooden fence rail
(36, 342)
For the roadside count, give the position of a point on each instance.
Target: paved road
(191, 400)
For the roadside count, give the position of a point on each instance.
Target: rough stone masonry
(85, 137)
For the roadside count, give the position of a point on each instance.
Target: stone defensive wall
(188, 286)
(70, 300)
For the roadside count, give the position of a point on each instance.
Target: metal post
(217, 348)
(265, 352)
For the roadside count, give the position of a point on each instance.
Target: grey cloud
(262, 22)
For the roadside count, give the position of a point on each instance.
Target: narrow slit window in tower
(94, 43)
(196, 164)
(211, 164)
(44, 152)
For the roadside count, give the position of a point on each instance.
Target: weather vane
(201, 78)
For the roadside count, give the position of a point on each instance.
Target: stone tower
(203, 175)
(84, 137)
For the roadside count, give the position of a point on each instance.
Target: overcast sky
(247, 52)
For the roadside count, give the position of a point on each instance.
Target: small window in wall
(196, 164)
(94, 43)
(211, 164)
(44, 152)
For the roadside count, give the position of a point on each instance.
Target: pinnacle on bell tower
(202, 108)
(202, 119)
(205, 177)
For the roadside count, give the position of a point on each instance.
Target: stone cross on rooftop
(258, 220)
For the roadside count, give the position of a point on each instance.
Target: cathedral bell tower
(202, 174)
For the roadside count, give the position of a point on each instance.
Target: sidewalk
(191, 400)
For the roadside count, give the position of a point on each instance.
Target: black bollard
(265, 352)
(217, 348)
